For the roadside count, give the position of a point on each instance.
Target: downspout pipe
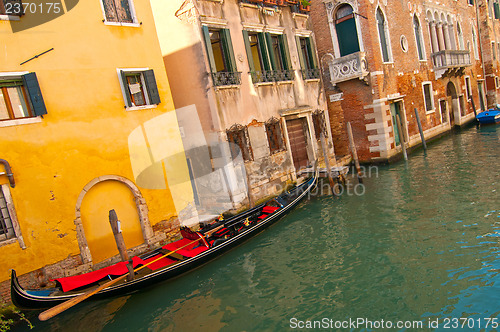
(8, 171)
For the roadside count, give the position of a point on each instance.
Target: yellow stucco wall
(85, 133)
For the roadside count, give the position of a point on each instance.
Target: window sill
(138, 108)
(9, 18)
(264, 84)
(430, 112)
(119, 24)
(7, 242)
(19, 122)
(285, 82)
(224, 87)
(311, 80)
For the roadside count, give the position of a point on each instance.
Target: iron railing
(226, 78)
(309, 74)
(272, 76)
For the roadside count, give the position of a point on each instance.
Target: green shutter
(153, 94)
(35, 94)
(311, 52)
(208, 44)
(269, 43)
(228, 50)
(263, 50)
(125, 87)
(246, 39)
(286, 52)
(496, 8)
(301, 55)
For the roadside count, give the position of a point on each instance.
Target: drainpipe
(481, 50)
(8, 171)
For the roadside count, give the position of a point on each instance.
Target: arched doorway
(345, 27)
(453, 102)
(95, 236)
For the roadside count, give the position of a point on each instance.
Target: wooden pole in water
(327, 164)
(420, 130)
(354, 152)
(120, 243)
(401, 136)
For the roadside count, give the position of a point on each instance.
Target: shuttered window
(319, 122)
(139, 88)
(220, 55)
(428, 97)
(496, 9)
(20, 97)
(307, 57)
(6, 228)
(239, 142)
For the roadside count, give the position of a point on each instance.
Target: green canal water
(420, 245)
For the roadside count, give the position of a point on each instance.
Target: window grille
(6, 229)
(275, 135)
(319, 122)
(239, 141)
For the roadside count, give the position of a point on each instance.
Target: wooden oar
(49, 313)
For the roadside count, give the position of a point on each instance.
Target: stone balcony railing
(348, 67)
(449, 59)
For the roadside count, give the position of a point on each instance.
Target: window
(428, 97)
(345, 29)
(468, 87)
(418, 38)
(471, 2)
(9, 227)
(481, 96)
(493, 50)
(6, 228)
(20, 97)
(496, 10)
(221, 57)
(307, 58)
(11, 7)
(238, 139)
(474, 43)
(119, 11)
(497, 82)
(442, 107)
(139, 87)
(268, 57)
(460, 37)
(318, 118)
(275, 136)
(383, 36)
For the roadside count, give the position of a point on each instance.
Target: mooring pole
(473, 106)
(120, 243)
(420, 130)
(401, 136)
(327, 164)
(354, 152)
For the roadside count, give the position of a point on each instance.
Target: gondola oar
(49, 313)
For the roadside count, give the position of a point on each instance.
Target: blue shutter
(128, 102)
(35, 95)
(154, 95)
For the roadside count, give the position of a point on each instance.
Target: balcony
(348, 67)
(272, 76)
(450, 62)
(310, 74)
(226, 78)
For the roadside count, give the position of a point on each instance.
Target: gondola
(214, 240)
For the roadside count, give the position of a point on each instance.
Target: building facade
(87, 125)
(247, 72)
(385, 59)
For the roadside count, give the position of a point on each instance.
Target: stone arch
(140, 202)
(453, 101)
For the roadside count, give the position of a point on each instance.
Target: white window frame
(433, 109)
(125, 91)
(387, 36)
(421, 35)
(135, 24)
(18, 237)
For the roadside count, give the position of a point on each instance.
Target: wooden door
(298, 142)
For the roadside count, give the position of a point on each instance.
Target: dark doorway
(298, 142)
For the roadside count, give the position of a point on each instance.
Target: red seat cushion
(188, 251)
(160, 263)
(263, 216)
(269, 209)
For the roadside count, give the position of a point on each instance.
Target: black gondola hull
(30, 299)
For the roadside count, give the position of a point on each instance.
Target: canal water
(421, 244)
